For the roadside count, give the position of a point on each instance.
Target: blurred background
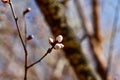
(83, 20)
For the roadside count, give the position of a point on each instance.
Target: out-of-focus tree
(57, 15)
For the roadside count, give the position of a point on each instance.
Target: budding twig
(20, 36)
(48, 51)
(55, 45)
(26, 55)
(16, 22)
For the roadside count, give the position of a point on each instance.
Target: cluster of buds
(56, 44)
(5, 1)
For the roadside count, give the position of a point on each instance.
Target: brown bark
(55, 17)
(96, 38)
(96, 20)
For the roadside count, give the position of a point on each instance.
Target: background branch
(94, 39)
(112, 37)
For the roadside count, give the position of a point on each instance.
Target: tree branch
(99, 58)
(20, 36)
(112, 38)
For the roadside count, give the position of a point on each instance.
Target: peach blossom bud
(5, 1)
(30, 37)
(26, 11)
(59, 46)
(62, 46)
(51, 41)
(59, 38)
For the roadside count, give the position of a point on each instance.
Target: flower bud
(30, 37)
(5, 1)
(51, 41)
(59, 46)
(62, 46)
(26, 11)
(59, 38)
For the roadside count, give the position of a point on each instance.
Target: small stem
(25, 30)
(16, 19)
(84, 37)
(48, 51)
(26, 55)
(20, 36)
(25, 75)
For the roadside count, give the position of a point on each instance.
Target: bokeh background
(54, 66)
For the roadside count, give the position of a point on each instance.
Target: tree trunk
(54, 15)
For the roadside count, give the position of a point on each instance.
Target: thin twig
(48, 51)
(112, 38)
(83, 37)
(20, 36)
(16, 19)
(26, 55)
(25, 30)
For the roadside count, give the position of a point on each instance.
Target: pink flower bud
(51, 41)
(5, 1)
(30, 37)
(26, 11)
(59, 38)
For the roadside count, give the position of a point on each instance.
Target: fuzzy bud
(62, 46)
(51, 41)
(5, 1)
(58, 46)
(26, 11)
(30, 37)
(59, 38)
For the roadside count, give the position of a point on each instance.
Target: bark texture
(54, 15)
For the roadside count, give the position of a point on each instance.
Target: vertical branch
(16, 22)
(112, 38)
(30, 37)
(26, 55)
(99, 58)
(96, 38)
(25, 32)
(20, 36)
(96, 20)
